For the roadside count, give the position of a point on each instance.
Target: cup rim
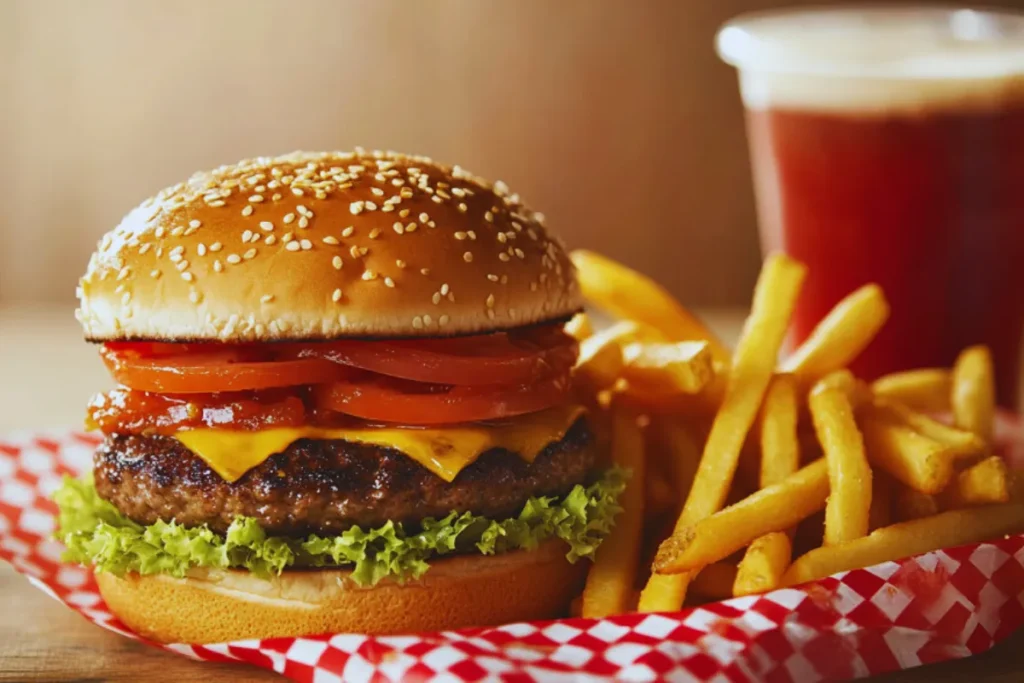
(738, 44)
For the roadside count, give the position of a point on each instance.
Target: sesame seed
(377, 191)
(182, 265)
(190, 231)
(436, 299)
(337, 263)
(388, 208)
(472, 234)
(297, 191)
(436, 199)
(195, 297)
(411, 227)
(427, 320)
(490, 313)
(504, 257)
(468, 257)
(288, 237)
(459, 235)
(267, 225)
(216, 246)
(369, 275)
(288, 218)
(399, 228)
(424, 218)
(492, 277)
(218, 203)
(336, 296)
(126, 298)
(370, 206)
(330, 240)
(462, 207)
(444, 289)
(520, 253)
(144, 248)
(159, 232)
(233, 258)
(502, 237)
(354, 251)
(249, 254)
(247, 210)
(266, 298)
(301, 208)
(347, 232)
(246, 236)
(177, 232)
(201, 249)
(270, 240)
(458, 192)
(306, 245)
(488, 216)
(175, 256)
(293, 246)
(375, 233)
(155, 274)
(256, 198)
(404, 213)
(417, 323)
(303, 222)
(424, 271)
(187, 276)
(194, 223)
(389, 282)
(356, 208)
(218, 266)
(512, 313)
(443, 320)
(400, 263)
(490, 301)
(432, 224)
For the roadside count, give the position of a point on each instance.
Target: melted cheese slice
(442, 451)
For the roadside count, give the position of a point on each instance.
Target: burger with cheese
(343, 403)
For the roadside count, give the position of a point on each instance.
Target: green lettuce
(96, 533)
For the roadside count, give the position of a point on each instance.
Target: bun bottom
(213, 606)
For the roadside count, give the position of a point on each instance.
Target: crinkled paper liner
(938, 606)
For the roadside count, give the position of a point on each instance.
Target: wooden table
(46, 376)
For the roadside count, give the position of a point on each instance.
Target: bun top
(321, 246)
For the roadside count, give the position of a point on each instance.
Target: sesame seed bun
(320, 246)
(220, 606)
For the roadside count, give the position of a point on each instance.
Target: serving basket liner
(938, 606)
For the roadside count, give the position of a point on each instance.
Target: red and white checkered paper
(942, 605)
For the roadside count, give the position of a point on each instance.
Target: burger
(343, 404)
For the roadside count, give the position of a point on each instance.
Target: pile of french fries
(750, 474)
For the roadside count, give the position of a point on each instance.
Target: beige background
(615, 118)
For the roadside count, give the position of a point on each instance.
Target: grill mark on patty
(326, 486)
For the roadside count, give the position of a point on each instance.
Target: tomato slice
(387, 399)
(124, 411)
(214, 370)
(494, 359)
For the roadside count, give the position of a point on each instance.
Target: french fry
(881, 500)
(764, 564)
(752, 368)
(600, 359)
(912, 504)
(919, 462)
(840, 336)
(974, 391)
(846, 513)
(609, 586)
(719, 535)
(670, 368)
(926, 390)
(944, 530)
(579, 327)
(627, 294)
(780, 448)
(962, 444)
(715, 581)
(983, 483)
(855, 390)
(683, 454)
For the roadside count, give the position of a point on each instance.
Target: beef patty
(316, 486)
